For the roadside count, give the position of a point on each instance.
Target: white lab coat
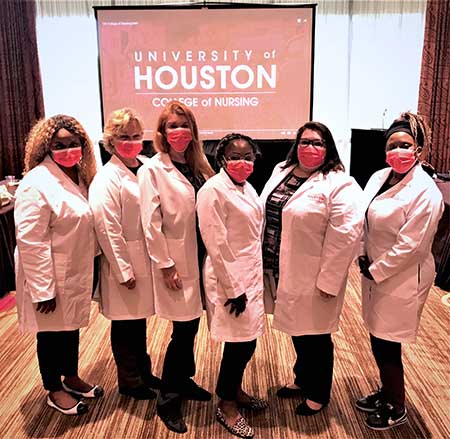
(231, 223)
(321, 227)
(168, 220)
(114, 199)
(399, 229)
(56, 246)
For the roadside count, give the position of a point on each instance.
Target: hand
(364, 264)
(130, 283)
(237, 305)
(46, 306)
(171, 278)
(325, 295)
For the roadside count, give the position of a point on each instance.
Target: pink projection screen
(245, 69)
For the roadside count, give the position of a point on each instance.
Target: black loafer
(194, 392)
(304, 409)
(170, 413)
(152, 381)
(287, 392)
(140, 392)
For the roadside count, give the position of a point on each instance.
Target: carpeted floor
(24, 414)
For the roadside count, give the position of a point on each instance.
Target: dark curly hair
(225, 141)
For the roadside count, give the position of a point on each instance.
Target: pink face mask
(401, 160)
(179, 138)
(67, 157)
(239, 170)
(311, 157)
(129, 149)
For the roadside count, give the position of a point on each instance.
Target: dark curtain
(20, 82)
(434, 92)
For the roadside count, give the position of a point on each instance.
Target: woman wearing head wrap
(404, 207)
(56, 246)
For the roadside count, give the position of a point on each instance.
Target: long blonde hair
(40, 138)
(195, 157)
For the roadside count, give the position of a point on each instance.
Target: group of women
(175, 238)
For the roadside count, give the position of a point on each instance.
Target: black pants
(179, 362)
(234, 361)
(388, 356)
(313, 368)
(129, 347)
(57, 353)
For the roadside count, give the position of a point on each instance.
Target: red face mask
(239, 170)
(129, 148)
(67, 157)
(401, 160)
(179, 138)
(311, 157)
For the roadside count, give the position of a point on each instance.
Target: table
(7, 245)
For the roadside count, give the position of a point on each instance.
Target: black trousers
(388, 356)
(129, 347)
(179, 362)
(235, 358)
(313, 368)
(57, 353)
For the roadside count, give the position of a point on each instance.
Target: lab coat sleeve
(342, 237)
(152, 219)
(413, 239)
(211, 216)
(104, 199)
(32, 215)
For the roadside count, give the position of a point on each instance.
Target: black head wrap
(405, 127)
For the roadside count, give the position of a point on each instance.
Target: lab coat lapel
(172, 170)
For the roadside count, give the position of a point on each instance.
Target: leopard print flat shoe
(239, 429)
(255, 404)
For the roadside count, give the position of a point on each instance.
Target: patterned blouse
(272, 232)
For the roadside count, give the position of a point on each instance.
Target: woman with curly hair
(404, 208)
(168, 185)
(231, 219)
(56, 246)
(126, 291)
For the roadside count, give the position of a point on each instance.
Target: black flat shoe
(304, 409)
(170, 413)
(191, 390)
(140, 393)
(287, 392)
(152, 381)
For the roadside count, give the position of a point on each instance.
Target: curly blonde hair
(40, 138)
(195, 157)
(117, 122)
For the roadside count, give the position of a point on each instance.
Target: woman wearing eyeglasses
(230, 219)
(313, 221)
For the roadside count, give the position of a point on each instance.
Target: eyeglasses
(314, 142)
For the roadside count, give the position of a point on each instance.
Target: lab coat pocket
(177, 253)
(139, 258)
(60, 264)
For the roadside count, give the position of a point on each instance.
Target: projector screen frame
(204, 5)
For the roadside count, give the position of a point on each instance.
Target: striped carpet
(24, 414)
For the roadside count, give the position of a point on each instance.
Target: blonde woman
(126, 290)
(56, 246)
(168, 185)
